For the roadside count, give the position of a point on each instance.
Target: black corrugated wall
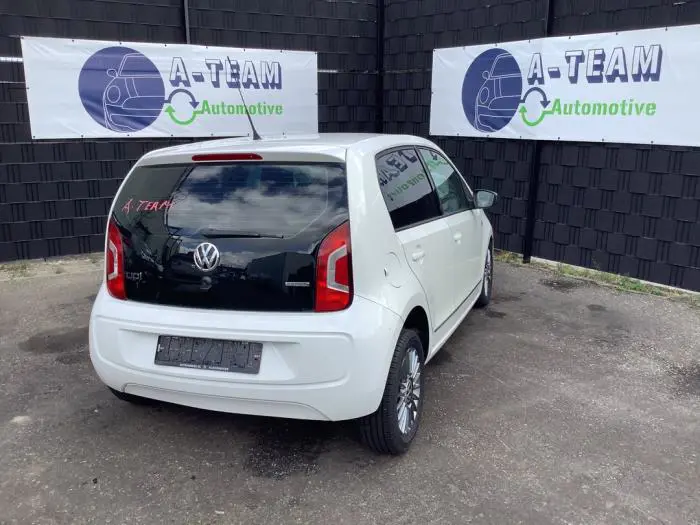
(621, 208)
(54, 196)
(627, 209)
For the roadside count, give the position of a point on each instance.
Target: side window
(406, 189)
(452, 191)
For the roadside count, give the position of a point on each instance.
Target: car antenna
(256, 136)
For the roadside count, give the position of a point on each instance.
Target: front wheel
(487, 280)
(391, 429)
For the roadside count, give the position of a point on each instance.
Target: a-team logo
(495, 89)
(492, 90)
(123, 90)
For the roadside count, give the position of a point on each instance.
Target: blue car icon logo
(492, 90)
(499, 95)
(134, 98)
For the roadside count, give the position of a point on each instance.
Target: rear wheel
(130, 398)
(487, 281)
(391, 429)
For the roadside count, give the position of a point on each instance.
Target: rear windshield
(279, 200)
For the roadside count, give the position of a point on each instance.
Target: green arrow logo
(532, 123)
(171, 113)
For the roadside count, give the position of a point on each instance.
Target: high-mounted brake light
(334, 271)
(225, 157)
(114, 262)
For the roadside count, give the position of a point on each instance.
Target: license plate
(209, 354)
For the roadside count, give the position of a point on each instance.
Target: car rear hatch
(228, 235)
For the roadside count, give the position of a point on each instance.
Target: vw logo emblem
(206, 257)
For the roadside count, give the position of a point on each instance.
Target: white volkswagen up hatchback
(300, 278)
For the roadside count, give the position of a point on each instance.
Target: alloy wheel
(408, 400)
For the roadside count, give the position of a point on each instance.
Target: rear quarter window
(406, 189)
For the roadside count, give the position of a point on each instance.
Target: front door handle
(417, 255)
(457, 237)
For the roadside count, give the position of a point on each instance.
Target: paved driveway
(562, 403)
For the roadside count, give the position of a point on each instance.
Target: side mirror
(485, 75)
(485, 198)
(112, 73)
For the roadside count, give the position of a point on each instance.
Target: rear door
(457, 206)
(424, 235)
(234, 236)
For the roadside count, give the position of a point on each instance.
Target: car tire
(487, 281)
(392, 427)
(130, 398)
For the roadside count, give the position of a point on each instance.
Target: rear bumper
(313, 366)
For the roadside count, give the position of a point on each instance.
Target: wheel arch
(416, 316)
(417, 320)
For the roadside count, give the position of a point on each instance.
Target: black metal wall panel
(633, 210)
(343, 31)
(135, 20)
(413, 29)
(629, 209)
(621, 208)
(54, 195)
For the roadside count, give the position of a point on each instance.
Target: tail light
(334, 271)
(114, 259)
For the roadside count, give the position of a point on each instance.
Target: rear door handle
(457, 237)
(417, 255)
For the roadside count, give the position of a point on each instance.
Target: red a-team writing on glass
(146, 205)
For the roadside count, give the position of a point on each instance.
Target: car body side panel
(380, 253)
(465, 267)
(488, 233)
(479, 214)
(380, 270)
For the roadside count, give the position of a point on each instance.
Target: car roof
(331, 146)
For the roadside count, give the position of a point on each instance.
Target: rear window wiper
(212, 233)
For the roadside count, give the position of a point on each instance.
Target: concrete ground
(564, 402)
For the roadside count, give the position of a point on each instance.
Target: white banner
(632, 87)
(84, 88)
